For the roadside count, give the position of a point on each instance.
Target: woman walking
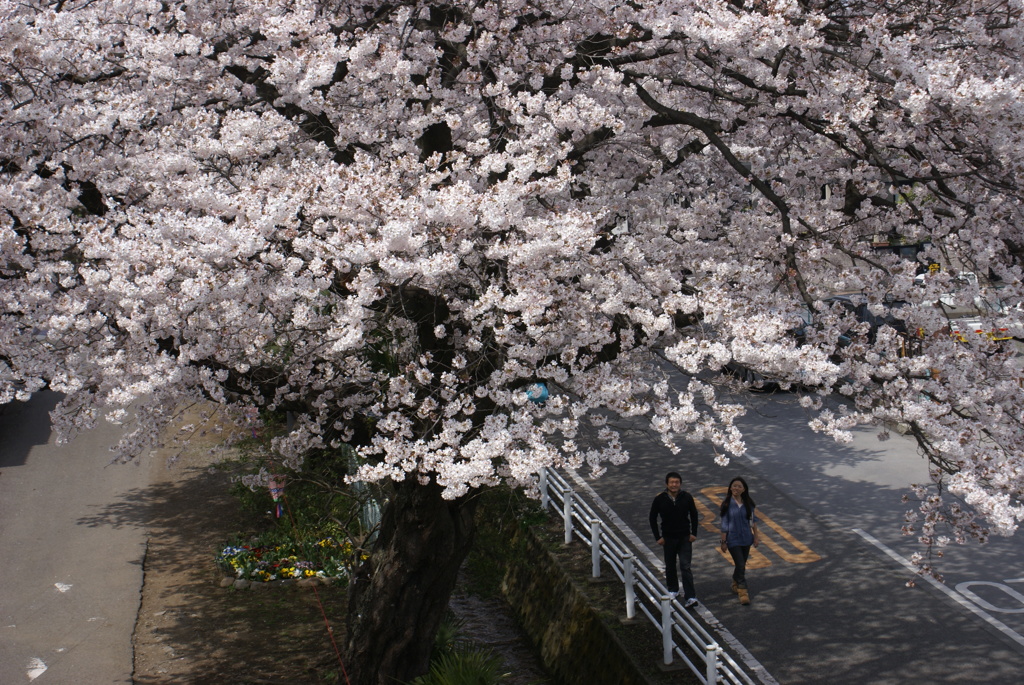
(739, 532)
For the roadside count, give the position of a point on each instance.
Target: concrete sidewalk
(72, 545)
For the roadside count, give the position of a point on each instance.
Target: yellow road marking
(802, 554)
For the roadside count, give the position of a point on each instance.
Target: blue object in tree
(538, 392)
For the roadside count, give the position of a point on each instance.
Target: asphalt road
(830, 602)
(71, 575)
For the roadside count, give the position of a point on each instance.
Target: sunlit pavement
(72, 574)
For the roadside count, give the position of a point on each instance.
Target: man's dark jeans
(678, 553)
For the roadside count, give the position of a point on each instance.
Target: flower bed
(288, 560)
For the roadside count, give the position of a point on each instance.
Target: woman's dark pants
(739, 557)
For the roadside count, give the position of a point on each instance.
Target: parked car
(855, 304)
(756, 380)
(859, 306)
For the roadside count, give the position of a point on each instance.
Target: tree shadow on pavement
(23, 425)
(861, 631)
(192, 630)
(846, 617)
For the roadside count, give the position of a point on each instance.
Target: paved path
(71, 574)
(829, 605)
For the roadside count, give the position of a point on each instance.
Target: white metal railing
(643, 587)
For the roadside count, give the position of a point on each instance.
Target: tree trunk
(400, 594)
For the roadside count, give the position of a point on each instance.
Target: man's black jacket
(678, 517)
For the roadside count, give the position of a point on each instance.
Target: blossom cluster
(390, 220)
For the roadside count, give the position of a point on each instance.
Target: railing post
(666, 629)
(544, 498)
(711, 659)
(567, 514)
(595, 547)
(627, 562)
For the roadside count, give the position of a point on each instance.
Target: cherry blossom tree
(391, 219)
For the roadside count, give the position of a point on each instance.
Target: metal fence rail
(683, 636)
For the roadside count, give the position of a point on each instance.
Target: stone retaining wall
(575, 644)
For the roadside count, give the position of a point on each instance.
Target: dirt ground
(192, 630)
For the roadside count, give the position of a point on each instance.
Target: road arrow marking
(36, 668)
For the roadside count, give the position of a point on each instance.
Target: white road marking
(965, 590)
(955, 596)
(36, 668)
(734, 644)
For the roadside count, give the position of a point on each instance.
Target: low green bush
(466, 665)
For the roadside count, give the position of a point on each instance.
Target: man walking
(676, 533)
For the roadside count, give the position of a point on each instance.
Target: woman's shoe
(744, 595)
(735, 587)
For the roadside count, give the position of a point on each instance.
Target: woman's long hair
(748, 502)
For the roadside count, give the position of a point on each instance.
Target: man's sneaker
(673, 595)
(692, 602)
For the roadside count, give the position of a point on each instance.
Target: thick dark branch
(317, 126)
(711, 129)
(675, 116)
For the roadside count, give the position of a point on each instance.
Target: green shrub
(449, 636)
(501, 510)
(465, 666)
